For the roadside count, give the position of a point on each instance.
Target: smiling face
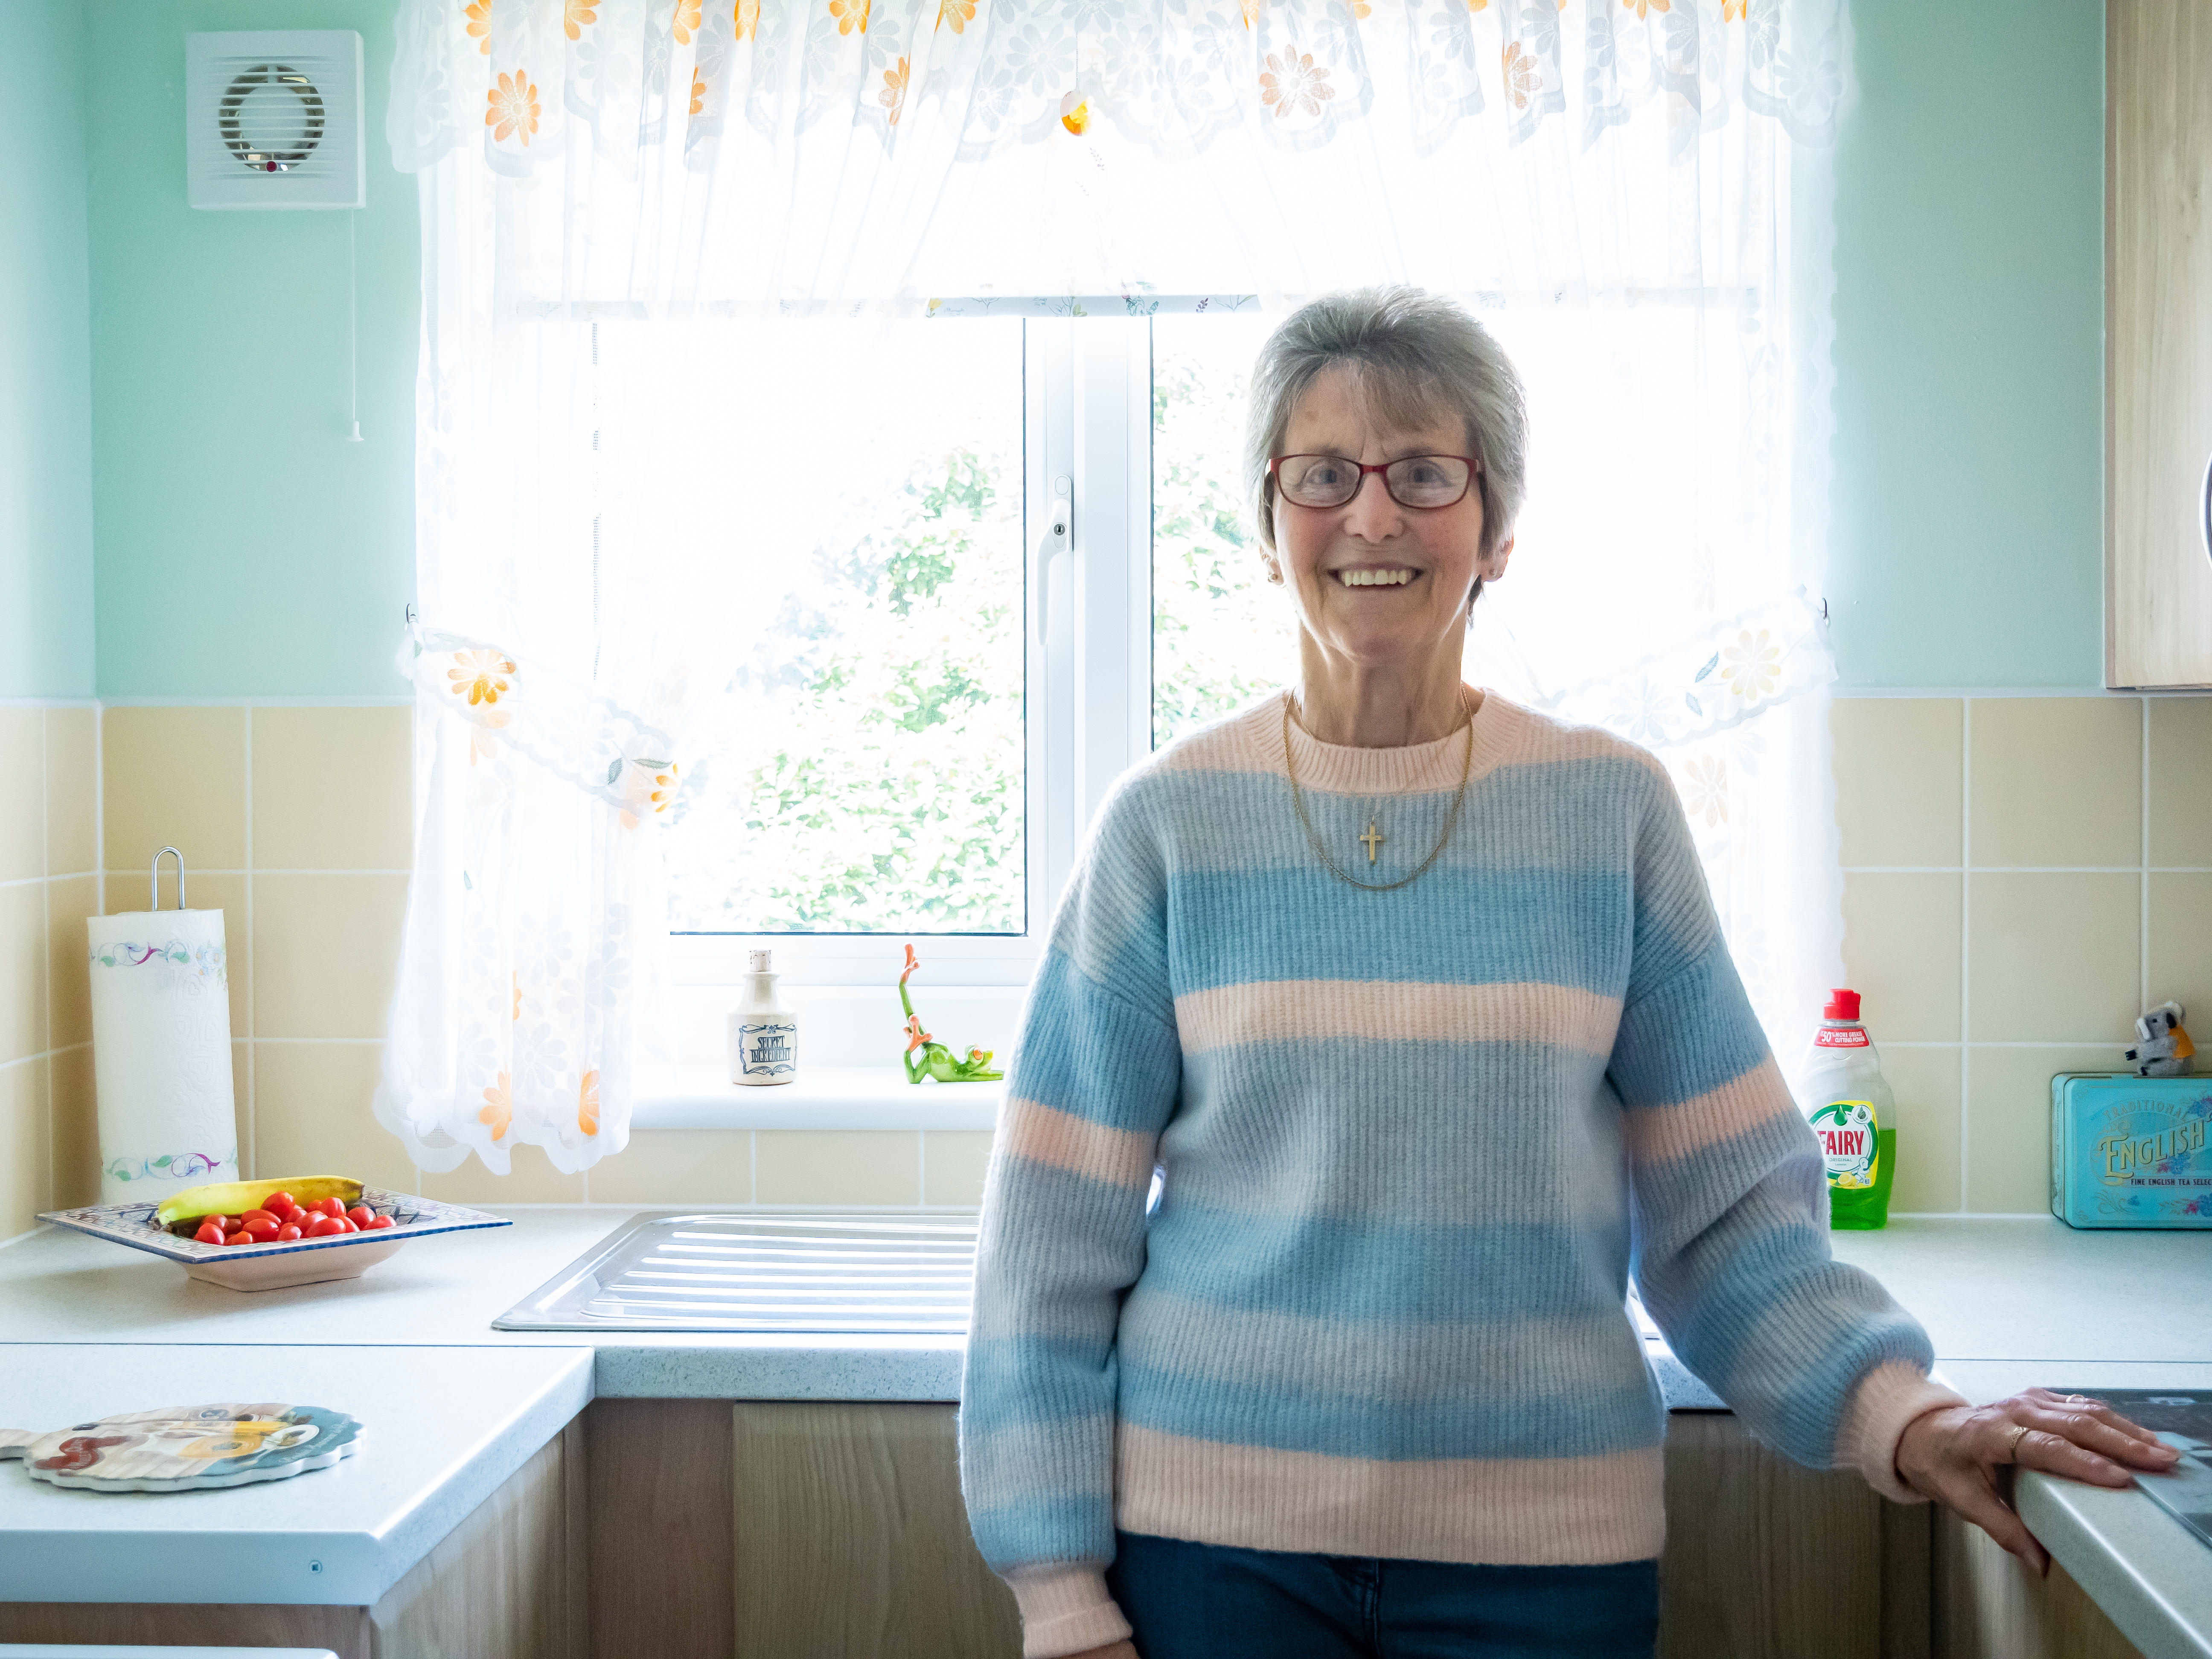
(1378, 586)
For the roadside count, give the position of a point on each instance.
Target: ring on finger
(2077, 1398)
(2012, 1445)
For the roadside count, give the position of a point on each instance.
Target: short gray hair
(1416, 355)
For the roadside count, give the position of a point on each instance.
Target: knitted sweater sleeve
(1094, 1079)
(1728, 1200)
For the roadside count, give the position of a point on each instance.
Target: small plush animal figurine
(937, 1060)
(2162, 1048)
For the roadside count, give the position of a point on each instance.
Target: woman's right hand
(1111, 1650)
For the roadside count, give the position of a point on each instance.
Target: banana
(235, 1197)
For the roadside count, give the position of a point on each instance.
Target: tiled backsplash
(48, 809)
(2018, 884)
(2023, 876)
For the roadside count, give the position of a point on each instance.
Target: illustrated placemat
(186, 1448)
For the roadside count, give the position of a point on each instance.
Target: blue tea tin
(2130, 1152)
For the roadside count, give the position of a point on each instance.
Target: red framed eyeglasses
(1423, 482)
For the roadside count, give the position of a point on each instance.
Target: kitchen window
(928, 717)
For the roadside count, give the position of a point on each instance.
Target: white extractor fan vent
(272, 119)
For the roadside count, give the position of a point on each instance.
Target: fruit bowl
(268, 1267)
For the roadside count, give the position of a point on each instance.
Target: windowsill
(820, 1097)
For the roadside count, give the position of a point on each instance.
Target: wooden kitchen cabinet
(850, 1542)
(2158, 343)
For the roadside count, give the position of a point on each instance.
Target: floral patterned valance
(1172, 75)
(833, 133)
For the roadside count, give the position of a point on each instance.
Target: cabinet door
(2158, 343)
(852, 1540)
(1766, 1560)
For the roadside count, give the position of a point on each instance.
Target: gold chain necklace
(1297, 800)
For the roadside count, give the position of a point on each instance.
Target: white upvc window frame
(1087, 416)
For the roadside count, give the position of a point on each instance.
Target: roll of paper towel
(160, 1053)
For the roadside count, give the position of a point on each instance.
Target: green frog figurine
(937, 1060)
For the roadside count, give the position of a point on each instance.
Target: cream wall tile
(533, 1181)
(68, 984)
(223, 893)
(2055, 781)
(75, 1119)
(953, 1163)
(332, 789)
(241, 1104)
(1898, 778)
(23, 795)
(23, 971)
(2009, 1122)
(312, 1117)
(2181, 780)
(843, 1166)
(1902, 951)
(173, 777)
(2052, 958)
(25, 1154)
(1926, 1083)
(677, 1166)
(325, 951)
(72, 791)
(2180, 959)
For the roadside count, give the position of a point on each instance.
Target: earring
(1274, 573)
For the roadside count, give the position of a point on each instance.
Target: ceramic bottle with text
(763, 1033)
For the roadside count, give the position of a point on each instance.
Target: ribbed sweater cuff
(1888, 1398)
(1065, 1609)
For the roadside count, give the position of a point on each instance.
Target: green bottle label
(1848, 1143)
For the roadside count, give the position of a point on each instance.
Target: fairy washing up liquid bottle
(1841, 1091)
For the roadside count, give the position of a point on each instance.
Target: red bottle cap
(1842, 1004)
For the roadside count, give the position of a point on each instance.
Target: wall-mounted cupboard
(2158, 344)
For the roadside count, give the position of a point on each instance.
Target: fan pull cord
(353, 322)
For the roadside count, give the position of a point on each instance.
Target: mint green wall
(246, 547)
(45, 435)
(1967, 542)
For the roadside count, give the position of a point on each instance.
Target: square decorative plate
(266, 1266)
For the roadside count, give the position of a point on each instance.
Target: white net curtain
(1631, 191)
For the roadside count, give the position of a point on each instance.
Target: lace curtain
(1591, 175)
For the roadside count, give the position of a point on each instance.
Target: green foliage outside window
(871, 776)
(1221, 636)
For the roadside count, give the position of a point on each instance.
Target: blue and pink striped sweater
(1412, 1146)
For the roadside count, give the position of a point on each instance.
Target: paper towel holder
(155, 883)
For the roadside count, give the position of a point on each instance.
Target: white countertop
(442, 1428)
(2006, 1302)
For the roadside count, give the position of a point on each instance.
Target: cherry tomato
(280, 1203)
(252, 1216)
(361, 1215)
(261, 1230)
(378, 1224)
(240, 1239)
(209, 1234)
(222, 1224)
(289, 1232)
(332, 1207)
(323, 1227)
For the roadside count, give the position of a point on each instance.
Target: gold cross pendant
(1374, 838)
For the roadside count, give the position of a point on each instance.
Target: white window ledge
(821, 1097)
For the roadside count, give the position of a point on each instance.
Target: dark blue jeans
(1207, 1601)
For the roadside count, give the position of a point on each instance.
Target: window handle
(1059, 538)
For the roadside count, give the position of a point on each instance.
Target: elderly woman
(1414, 1002)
